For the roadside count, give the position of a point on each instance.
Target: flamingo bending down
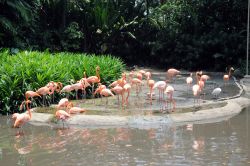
(106, 92)
(118, 91)
(67, 89)
(170, 91)
(62, 115)
(161, 86)
(137, 82)
(74, 110)
(204, 77)
(171, 73)
(99, 89)
(63, 103)
(21, 119)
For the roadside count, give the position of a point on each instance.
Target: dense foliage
(31, 70)
(188, 34)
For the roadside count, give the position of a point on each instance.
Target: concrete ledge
(233, 107)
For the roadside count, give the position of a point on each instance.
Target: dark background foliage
(186, 34)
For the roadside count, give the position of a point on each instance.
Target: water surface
(221, 143)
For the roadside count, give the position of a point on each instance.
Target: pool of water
(222, 143)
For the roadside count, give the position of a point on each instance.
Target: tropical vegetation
(30, 70)
(188, 34)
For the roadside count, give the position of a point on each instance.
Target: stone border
(234, 106)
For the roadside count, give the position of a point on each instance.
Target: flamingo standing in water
(151, 84)
(94, 79)
(196, 92)
(227, 76)
(161, 86)
(189, 81)
(62, 115)
(127, 88)
(171, 73)
(170, 91)
(118, 91)
(21, 119)
(137, 82)
(106, 92)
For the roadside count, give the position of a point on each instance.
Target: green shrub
(32, 70)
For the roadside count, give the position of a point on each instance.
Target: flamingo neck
(27, 106)
(98, 75)
(230, 72)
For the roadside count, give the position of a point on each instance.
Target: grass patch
(30, 70)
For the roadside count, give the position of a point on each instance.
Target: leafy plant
(30, 70)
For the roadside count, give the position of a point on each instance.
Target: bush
(32, 70)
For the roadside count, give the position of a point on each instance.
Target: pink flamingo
(147, 75)
(94, 79)
(127, 88)
(31, 94)
(67, 89)
(74, 110)
(204, 77)
(76, 87)
(137, 82)
(171, 73)
(151, 84)
(139, 76)
(99, 88)
(227, 76)
(119, 91)
(196, 91)
(106, 92)
(189, 81)
(21, 119)
(62, 115)
(54, 86)
(170, 91)
(85, 84)
(44, 91)
(63, 103)
(161, 86)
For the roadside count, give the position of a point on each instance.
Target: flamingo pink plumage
(62, 103)
(74, 110)
(118, 91)
(171, 73)
(227, 76)
(161, 86)
(31, 94)
(21, 119)
(170, 91)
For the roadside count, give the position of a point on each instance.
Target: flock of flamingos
(120, 87)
